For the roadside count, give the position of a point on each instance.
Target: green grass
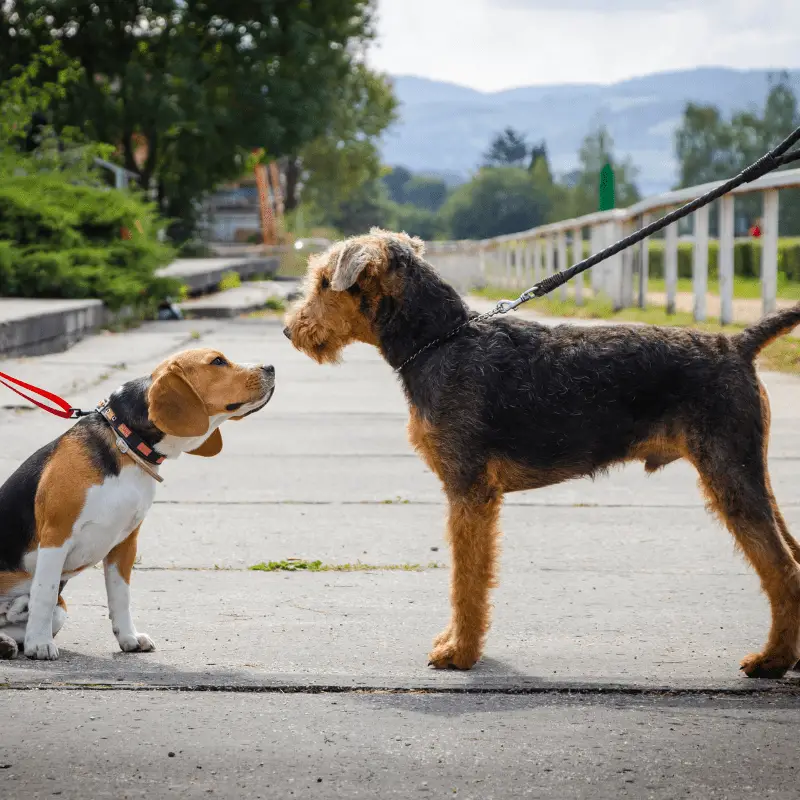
(272, 306)
(744, 288)
(230, 280)
(301, 565)
(783, 355)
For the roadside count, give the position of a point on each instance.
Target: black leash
(775, 158)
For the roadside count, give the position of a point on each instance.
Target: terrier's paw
(42, 650)
(762, 665)
(8, 647)
(138, 643)
(443, 637)
(449, 655)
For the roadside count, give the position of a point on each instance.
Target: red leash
(64, 410)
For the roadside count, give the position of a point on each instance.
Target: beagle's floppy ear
(210, 447)
(354, 258)
(174, 405)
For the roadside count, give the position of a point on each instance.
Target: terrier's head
(346, 287)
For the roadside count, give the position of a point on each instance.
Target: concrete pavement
(611, 668)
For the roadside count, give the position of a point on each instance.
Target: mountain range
(444, 128)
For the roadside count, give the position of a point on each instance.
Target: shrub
(746, 259)
(77, 241)
(230, 280)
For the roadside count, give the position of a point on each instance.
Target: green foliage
(507, 149)
(200, 85)
(711, 148)
(64, 240)
(596, 151)
(230, 280)
(746, 259)
(61, 229)
(396, 180)
(426, 192)
(337, 165)
(496, 201)
(415, 221)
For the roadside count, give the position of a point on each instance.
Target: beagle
(82, 498)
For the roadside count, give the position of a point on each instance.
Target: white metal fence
(517, 261)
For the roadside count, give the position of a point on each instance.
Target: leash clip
(504, 306)
(122, 445)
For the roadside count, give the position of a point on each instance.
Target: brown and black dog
(507, 405)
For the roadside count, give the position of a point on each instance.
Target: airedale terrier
(507, 405)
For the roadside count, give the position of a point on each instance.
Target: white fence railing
(517, 261)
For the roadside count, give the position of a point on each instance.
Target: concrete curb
(35, 327)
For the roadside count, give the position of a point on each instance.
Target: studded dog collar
(130, 443)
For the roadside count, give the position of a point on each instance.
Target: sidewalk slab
(682, 631)
(81, 744)
(204, 274)
(250, 296)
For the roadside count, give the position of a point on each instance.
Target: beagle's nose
(270, 371)
(287, 333)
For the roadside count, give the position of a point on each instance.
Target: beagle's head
(192, 393)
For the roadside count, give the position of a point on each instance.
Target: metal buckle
(122, 445)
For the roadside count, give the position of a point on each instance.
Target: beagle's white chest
(111, 511)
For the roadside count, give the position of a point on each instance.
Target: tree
(345, 157)
(596, 151)
(704, 146)
(186, 91)
(366, 206)
(396, 180)
(496, 201)
(712, 148)
(507, 149)
(426, 192)
(540, 161)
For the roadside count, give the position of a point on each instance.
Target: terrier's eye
(219, 361)
(325, 283)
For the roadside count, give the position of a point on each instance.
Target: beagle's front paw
(136, 643)
(41, 650)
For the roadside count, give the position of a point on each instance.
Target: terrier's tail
(751, 341)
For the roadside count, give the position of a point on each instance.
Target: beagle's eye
(219, 361)
(325, 283)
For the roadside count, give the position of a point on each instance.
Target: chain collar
(501, 308)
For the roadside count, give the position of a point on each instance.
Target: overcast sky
(498, 44)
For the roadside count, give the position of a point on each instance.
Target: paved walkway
(610, 671)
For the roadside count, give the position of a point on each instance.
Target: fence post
(537, 260)
(700, 263)
(671, 265)
(615, 271)
(725, 258)
(562, 262)
(644, 265)
(518, 264)
(526, 263)
(769, 251)
(549, 254)
(507, 256)
(577, 255)
(626, 287)
(595, 245)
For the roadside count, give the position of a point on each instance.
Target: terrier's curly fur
(508, 405)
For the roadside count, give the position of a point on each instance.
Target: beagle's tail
(751, 341)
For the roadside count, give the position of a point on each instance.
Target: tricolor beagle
(82, 498)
